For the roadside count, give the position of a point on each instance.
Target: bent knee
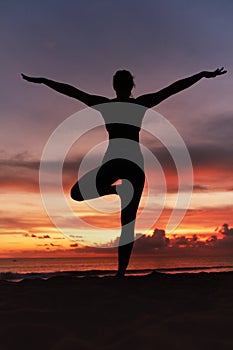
(75, 194)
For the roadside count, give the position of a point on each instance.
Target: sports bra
(122, 120)
(125, 131)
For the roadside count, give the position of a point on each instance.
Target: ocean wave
(16, 277)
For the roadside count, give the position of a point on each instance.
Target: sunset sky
(83, 44)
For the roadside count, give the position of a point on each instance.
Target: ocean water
(18, 269)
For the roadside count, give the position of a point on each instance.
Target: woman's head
(123, 83)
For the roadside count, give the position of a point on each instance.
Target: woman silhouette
(100, 181)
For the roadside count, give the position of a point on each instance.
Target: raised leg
(92, 185)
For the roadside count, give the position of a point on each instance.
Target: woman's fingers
(220, 71)
(215, 73)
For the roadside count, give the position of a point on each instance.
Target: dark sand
(188, 311)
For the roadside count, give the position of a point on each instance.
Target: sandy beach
(157, 311)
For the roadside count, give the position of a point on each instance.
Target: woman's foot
(120, 275)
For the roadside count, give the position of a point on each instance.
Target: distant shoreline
(18, 277)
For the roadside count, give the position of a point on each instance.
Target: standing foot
(120, 274)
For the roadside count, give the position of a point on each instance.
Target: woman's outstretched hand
(215, 73)
(32, 79)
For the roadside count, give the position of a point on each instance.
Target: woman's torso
(123, 120)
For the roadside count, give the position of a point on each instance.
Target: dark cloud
(202, 156)
(159, 243)
(226, 231)
(200, 188)
(211, 156)
(217, 129)
(55, 245)
(23, 159)
(21, 172)
(26, 223)
(12, 222)
(36, 236)
(212, 240)
(152, 243)
(183, 241)
(48, 245)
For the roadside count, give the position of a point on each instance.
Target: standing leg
(128, 217)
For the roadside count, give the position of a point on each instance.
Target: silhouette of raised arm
(152, 99)
(68, 90)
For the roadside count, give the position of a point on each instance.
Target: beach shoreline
(154, 311)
